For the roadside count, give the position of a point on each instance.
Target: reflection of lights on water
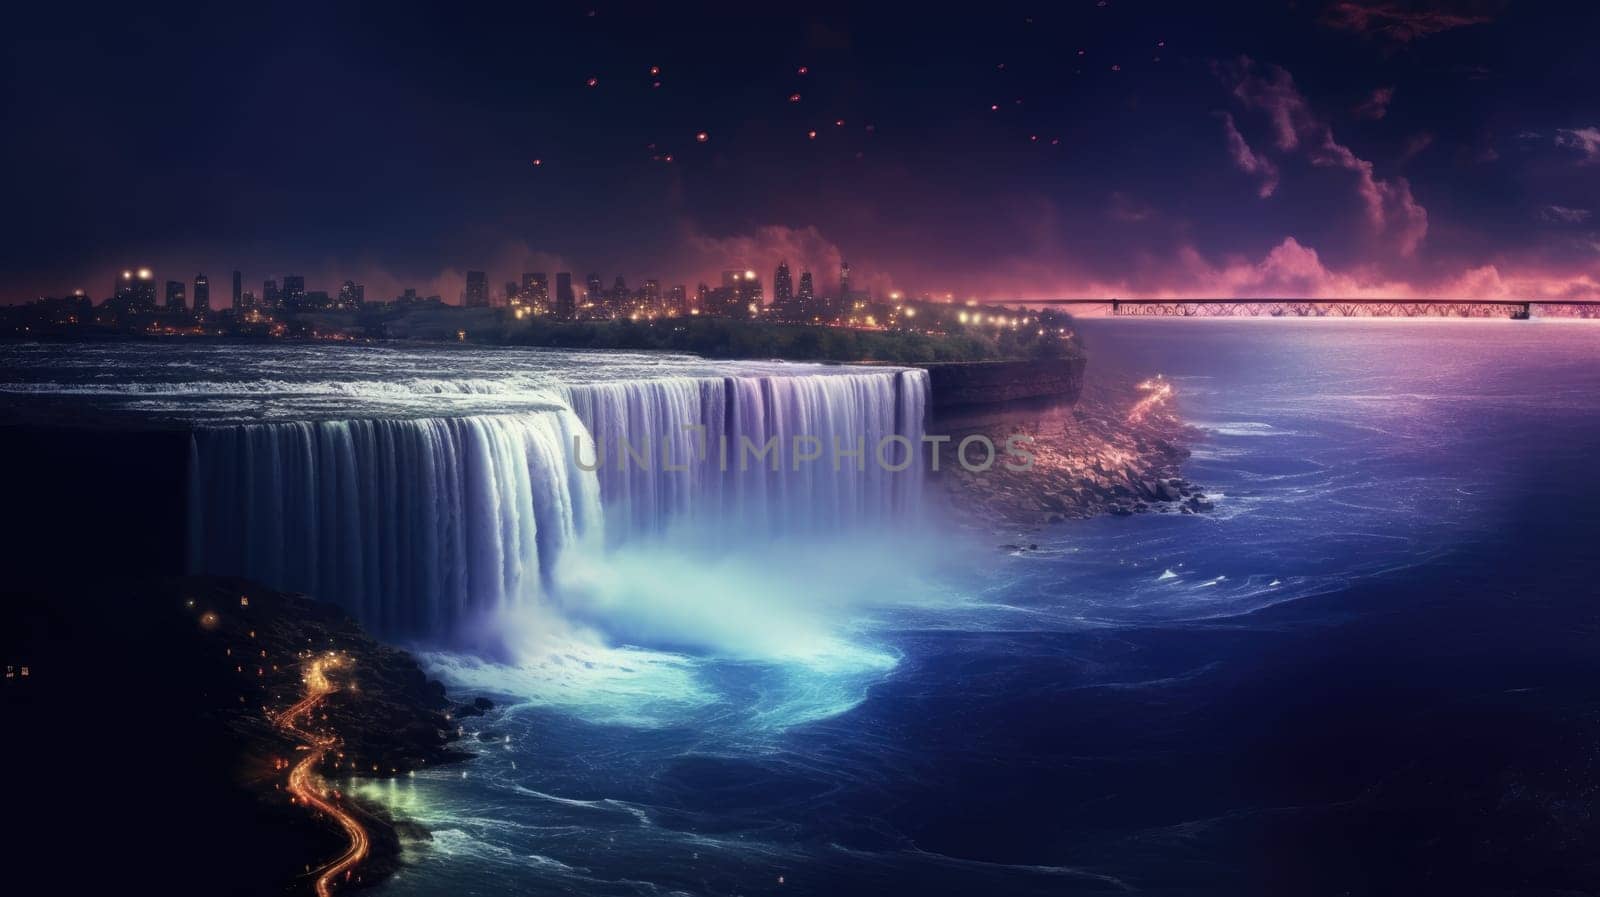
(1157, 390)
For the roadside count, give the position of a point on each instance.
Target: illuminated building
(536, 291)
(513, 293)
(174, 295)
(566, 307)
(294, 291)
(352, 295)
(477, 292)
(202, 294)
(594, 292)
(841, 307)
(650, 297)
(678, 303)
(619, 299)
(783, 293)
(806, 298)
(238, 291)
(270, 296)
(136, 290)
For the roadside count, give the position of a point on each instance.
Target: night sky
(1079, 148)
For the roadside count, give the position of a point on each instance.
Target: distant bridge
(1514, 309)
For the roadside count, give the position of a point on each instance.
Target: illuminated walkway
(307, 786)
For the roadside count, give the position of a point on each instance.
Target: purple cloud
(1247, 160)
(1398, 22)
(1390, 207)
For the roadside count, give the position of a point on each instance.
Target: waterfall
(417, 526)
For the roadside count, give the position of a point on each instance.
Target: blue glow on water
(1160, 702)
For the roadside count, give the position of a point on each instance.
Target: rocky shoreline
(184, 688)
(388, 719)
(1118, 449)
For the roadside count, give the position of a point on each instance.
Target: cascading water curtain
(417, 526)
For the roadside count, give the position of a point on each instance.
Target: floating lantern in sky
(838, 123)
(794, 98)
(655, 70)
(592, 81)
(702, 137)
(803, 70)
(812, 134)
(537, 162)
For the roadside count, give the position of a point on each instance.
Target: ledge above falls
(976, 384)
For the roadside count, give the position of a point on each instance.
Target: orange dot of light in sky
(702, 137)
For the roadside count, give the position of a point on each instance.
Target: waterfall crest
(418, 526)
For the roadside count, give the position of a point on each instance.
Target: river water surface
(1371, 670)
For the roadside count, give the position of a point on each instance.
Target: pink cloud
(1247, 160)
(1398, 22)
(1586, 141)
(1564, 215)
(1391, 209)
(1376, 106)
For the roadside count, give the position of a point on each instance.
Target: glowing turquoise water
(1369, 664)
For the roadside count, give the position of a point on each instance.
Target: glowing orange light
(794, 98)
(702, 137)
(592, 82)
(803, 70)
(655, 70)
(812, 134)
(537, 162)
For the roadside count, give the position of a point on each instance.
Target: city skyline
(1094, 150)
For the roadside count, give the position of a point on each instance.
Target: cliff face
(958, 385)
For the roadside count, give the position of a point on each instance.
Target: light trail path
(306, 785)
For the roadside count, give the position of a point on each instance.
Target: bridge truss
(1310, 308)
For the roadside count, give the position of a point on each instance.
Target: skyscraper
(841, 306)
(678, 305)
(238, 291)
(294, 291)
(566, 304)
(271, 297)
(619, 300)
(650, 297)
(783, 292)
(477, 294)
(174, 295)
(536, 291)
(351, 295)
(136, 290)
(806, 298)
(202, 294)
(593, 293)
(513, 293)
(747, 296)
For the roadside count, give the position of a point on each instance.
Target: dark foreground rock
(163, 696)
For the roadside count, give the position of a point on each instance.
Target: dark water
(1371, 670)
